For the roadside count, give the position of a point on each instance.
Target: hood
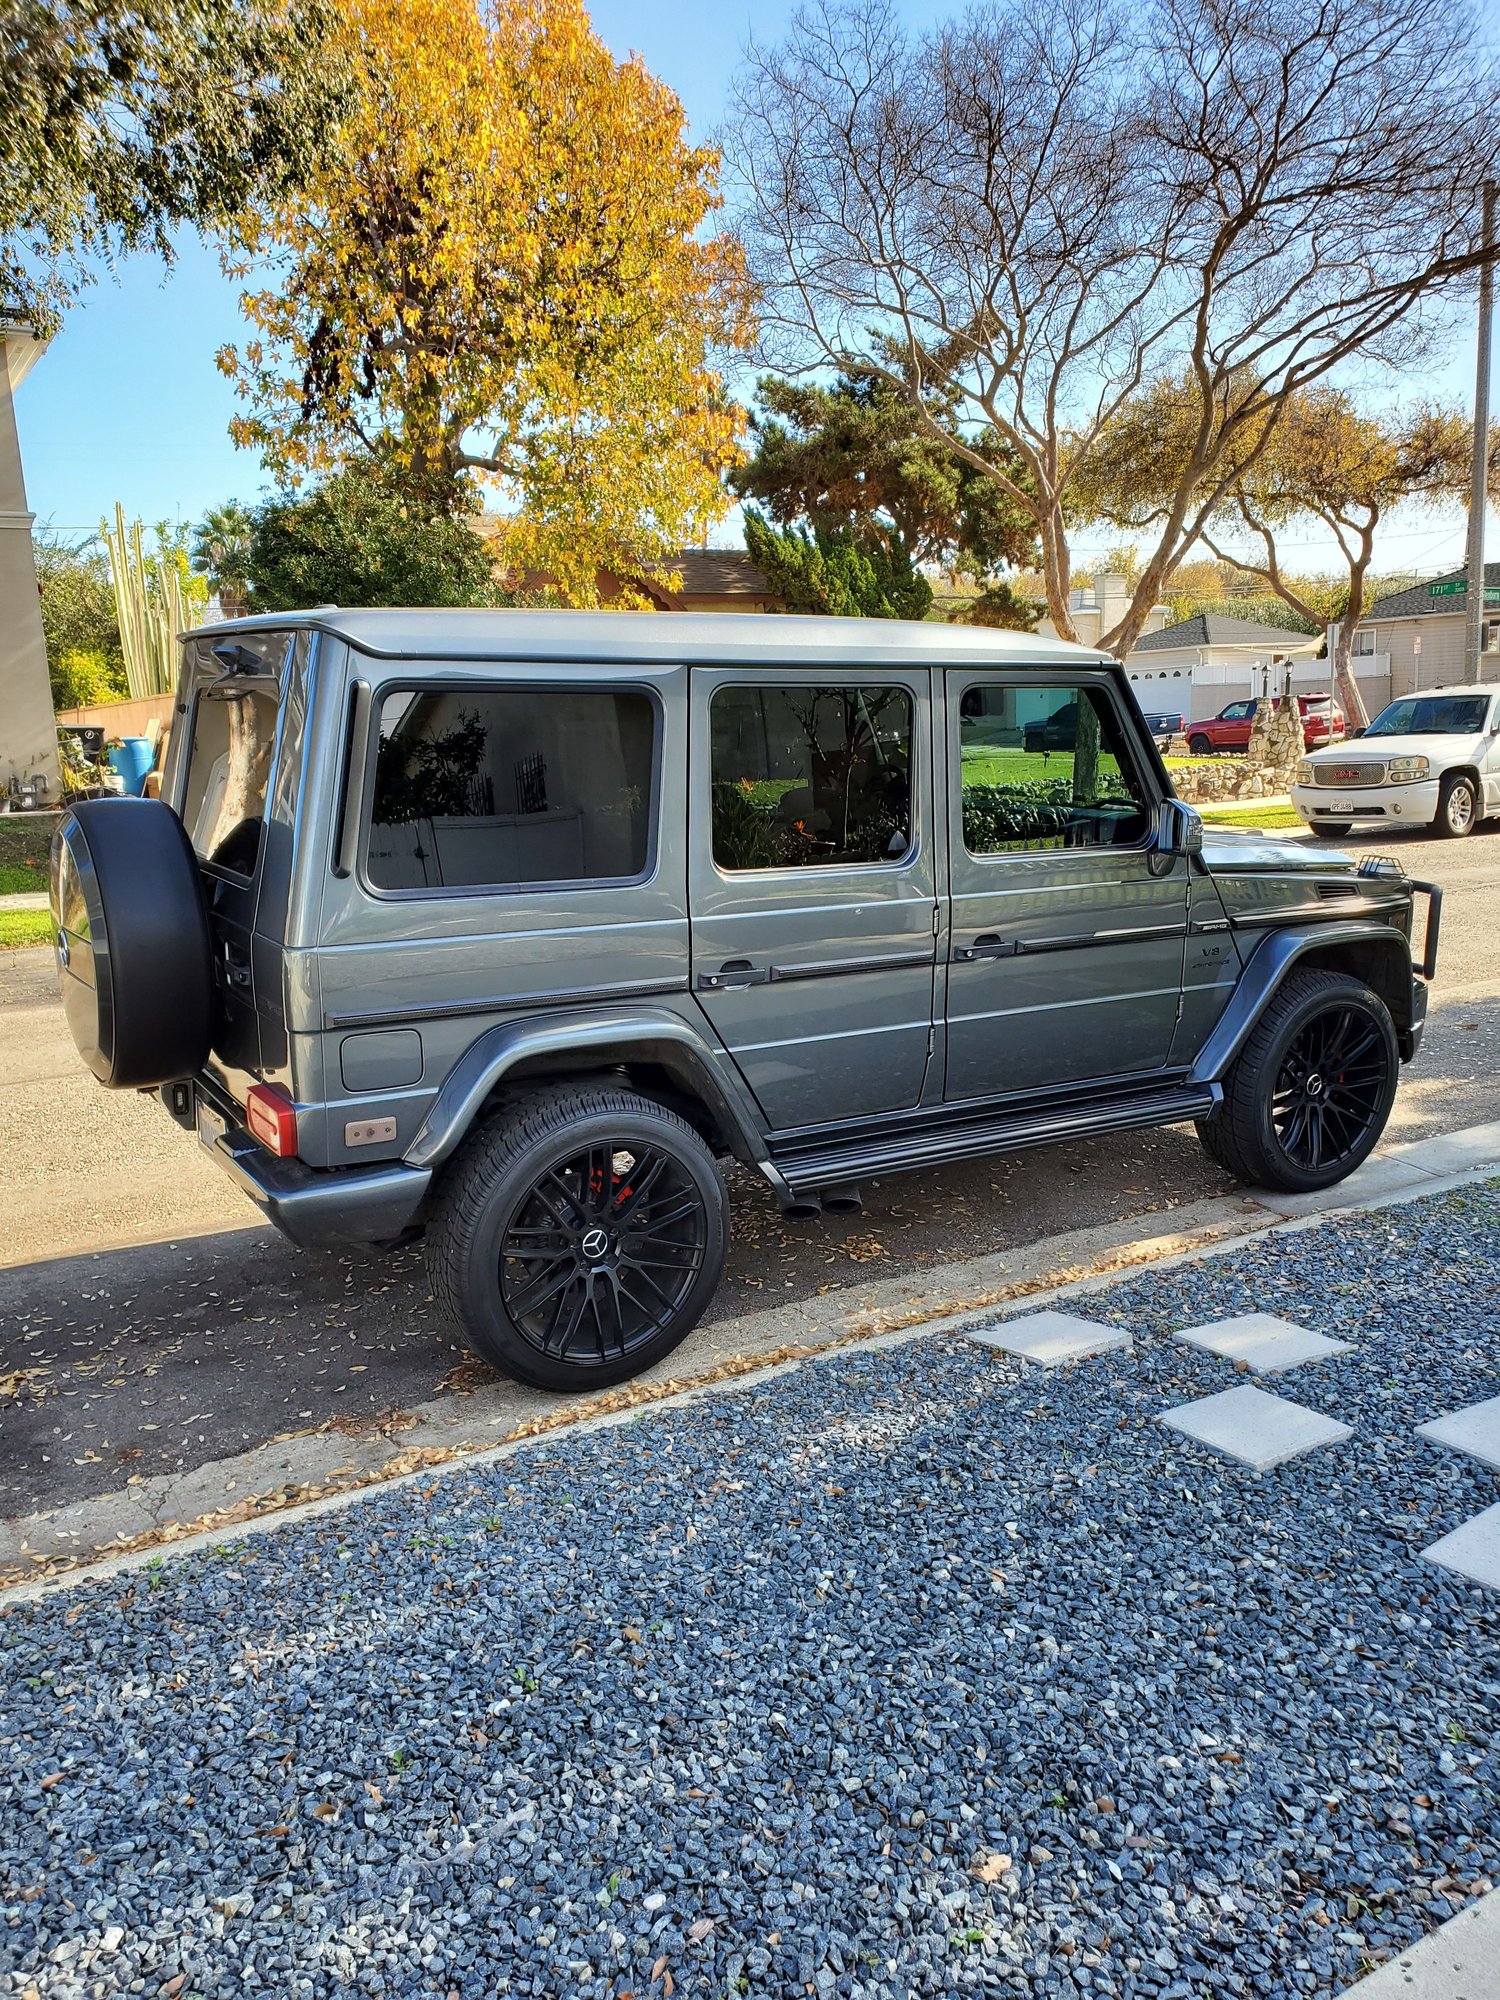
(1380, 749)
(1243, 850)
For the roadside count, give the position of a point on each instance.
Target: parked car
(1163, 727)
(1057, 731)
(509, 929)
(1430, 759)
(1322, 722)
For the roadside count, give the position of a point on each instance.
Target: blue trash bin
(132, 758)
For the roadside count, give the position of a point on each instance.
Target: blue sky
(127, 403)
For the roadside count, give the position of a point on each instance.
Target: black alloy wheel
(601, 1252)
(1330, 1088)
(578, 1235)
(1308, 1096)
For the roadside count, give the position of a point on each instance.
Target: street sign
(1458, 587)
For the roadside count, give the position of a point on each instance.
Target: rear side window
(492, 787)
(807, 777)
(229, 770)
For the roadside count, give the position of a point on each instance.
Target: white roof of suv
(669, 638)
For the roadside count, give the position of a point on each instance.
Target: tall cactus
(149, 604)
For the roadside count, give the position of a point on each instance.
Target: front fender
(612, 1035)
(1352, 945)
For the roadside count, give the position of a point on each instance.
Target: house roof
(1207, 628)
(1419, 602)
(703, 638)
(716, 573)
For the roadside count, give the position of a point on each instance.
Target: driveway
(147, 1325)
(915, 1671)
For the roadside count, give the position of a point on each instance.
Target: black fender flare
(614, 1035)
(1269, 965)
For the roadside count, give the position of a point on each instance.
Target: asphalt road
(147, 1324)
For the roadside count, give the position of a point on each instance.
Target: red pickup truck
(1322, 722)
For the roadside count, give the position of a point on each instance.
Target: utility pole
(1479, 473)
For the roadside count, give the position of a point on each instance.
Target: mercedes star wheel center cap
(595, 1244)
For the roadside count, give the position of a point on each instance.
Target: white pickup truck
(1429, 759)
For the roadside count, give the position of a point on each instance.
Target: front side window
(806, 777)
(496, 786)
(1046, 767)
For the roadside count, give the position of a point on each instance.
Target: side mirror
(1354, 732)
(1179, 830)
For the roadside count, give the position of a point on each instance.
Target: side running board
(809, 1162)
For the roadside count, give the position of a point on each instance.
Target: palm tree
(221, 551)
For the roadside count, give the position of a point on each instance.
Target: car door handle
(733, 972)
(987, 946)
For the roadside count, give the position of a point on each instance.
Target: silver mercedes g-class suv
(510, 927)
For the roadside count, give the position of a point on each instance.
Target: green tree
(354, 541)
(826, 570)
(220, 552)
(855, 455)
(79, 623)
(1003, 608)
(122, 119)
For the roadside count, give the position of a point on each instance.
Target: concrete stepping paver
(1262, 1341)
(1475, 1430)
(1473, 1550)
(1051, 1338)
(1253, 1426)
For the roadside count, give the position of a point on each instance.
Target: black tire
(1308, 1096)
(134, 961)
(510, 1250)
(1458, 807)
(1329, 829)
(1200, 746)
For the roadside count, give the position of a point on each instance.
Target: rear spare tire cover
(134, 963)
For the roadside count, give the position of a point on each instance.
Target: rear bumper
(312, 1206)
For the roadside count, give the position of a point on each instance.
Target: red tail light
(272, 1118)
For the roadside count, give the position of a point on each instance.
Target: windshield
(1432, 715)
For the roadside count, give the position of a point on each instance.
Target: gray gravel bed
(910, 1672)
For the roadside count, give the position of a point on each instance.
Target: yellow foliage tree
(500, 274)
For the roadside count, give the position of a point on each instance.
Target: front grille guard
(1434, 895)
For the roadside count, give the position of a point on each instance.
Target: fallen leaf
(990, 1867)
(631, 1633)
(666, 1985)
(699, 1931)
(659, 1968)
(175, 1984)
(47, 1783)
(375, 1792)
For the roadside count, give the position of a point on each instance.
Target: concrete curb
(317, 1471)
(1460, 1960)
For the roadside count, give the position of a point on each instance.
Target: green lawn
(1271, 817)
(25, 843)
(19, 928)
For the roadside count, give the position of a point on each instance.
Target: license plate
(1341, 806)
(211, 1127)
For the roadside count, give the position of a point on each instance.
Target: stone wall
(1265, 771)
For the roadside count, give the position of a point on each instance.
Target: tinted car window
(807, 777)
(1045, 767)
(1432, 715)
(491, 787)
